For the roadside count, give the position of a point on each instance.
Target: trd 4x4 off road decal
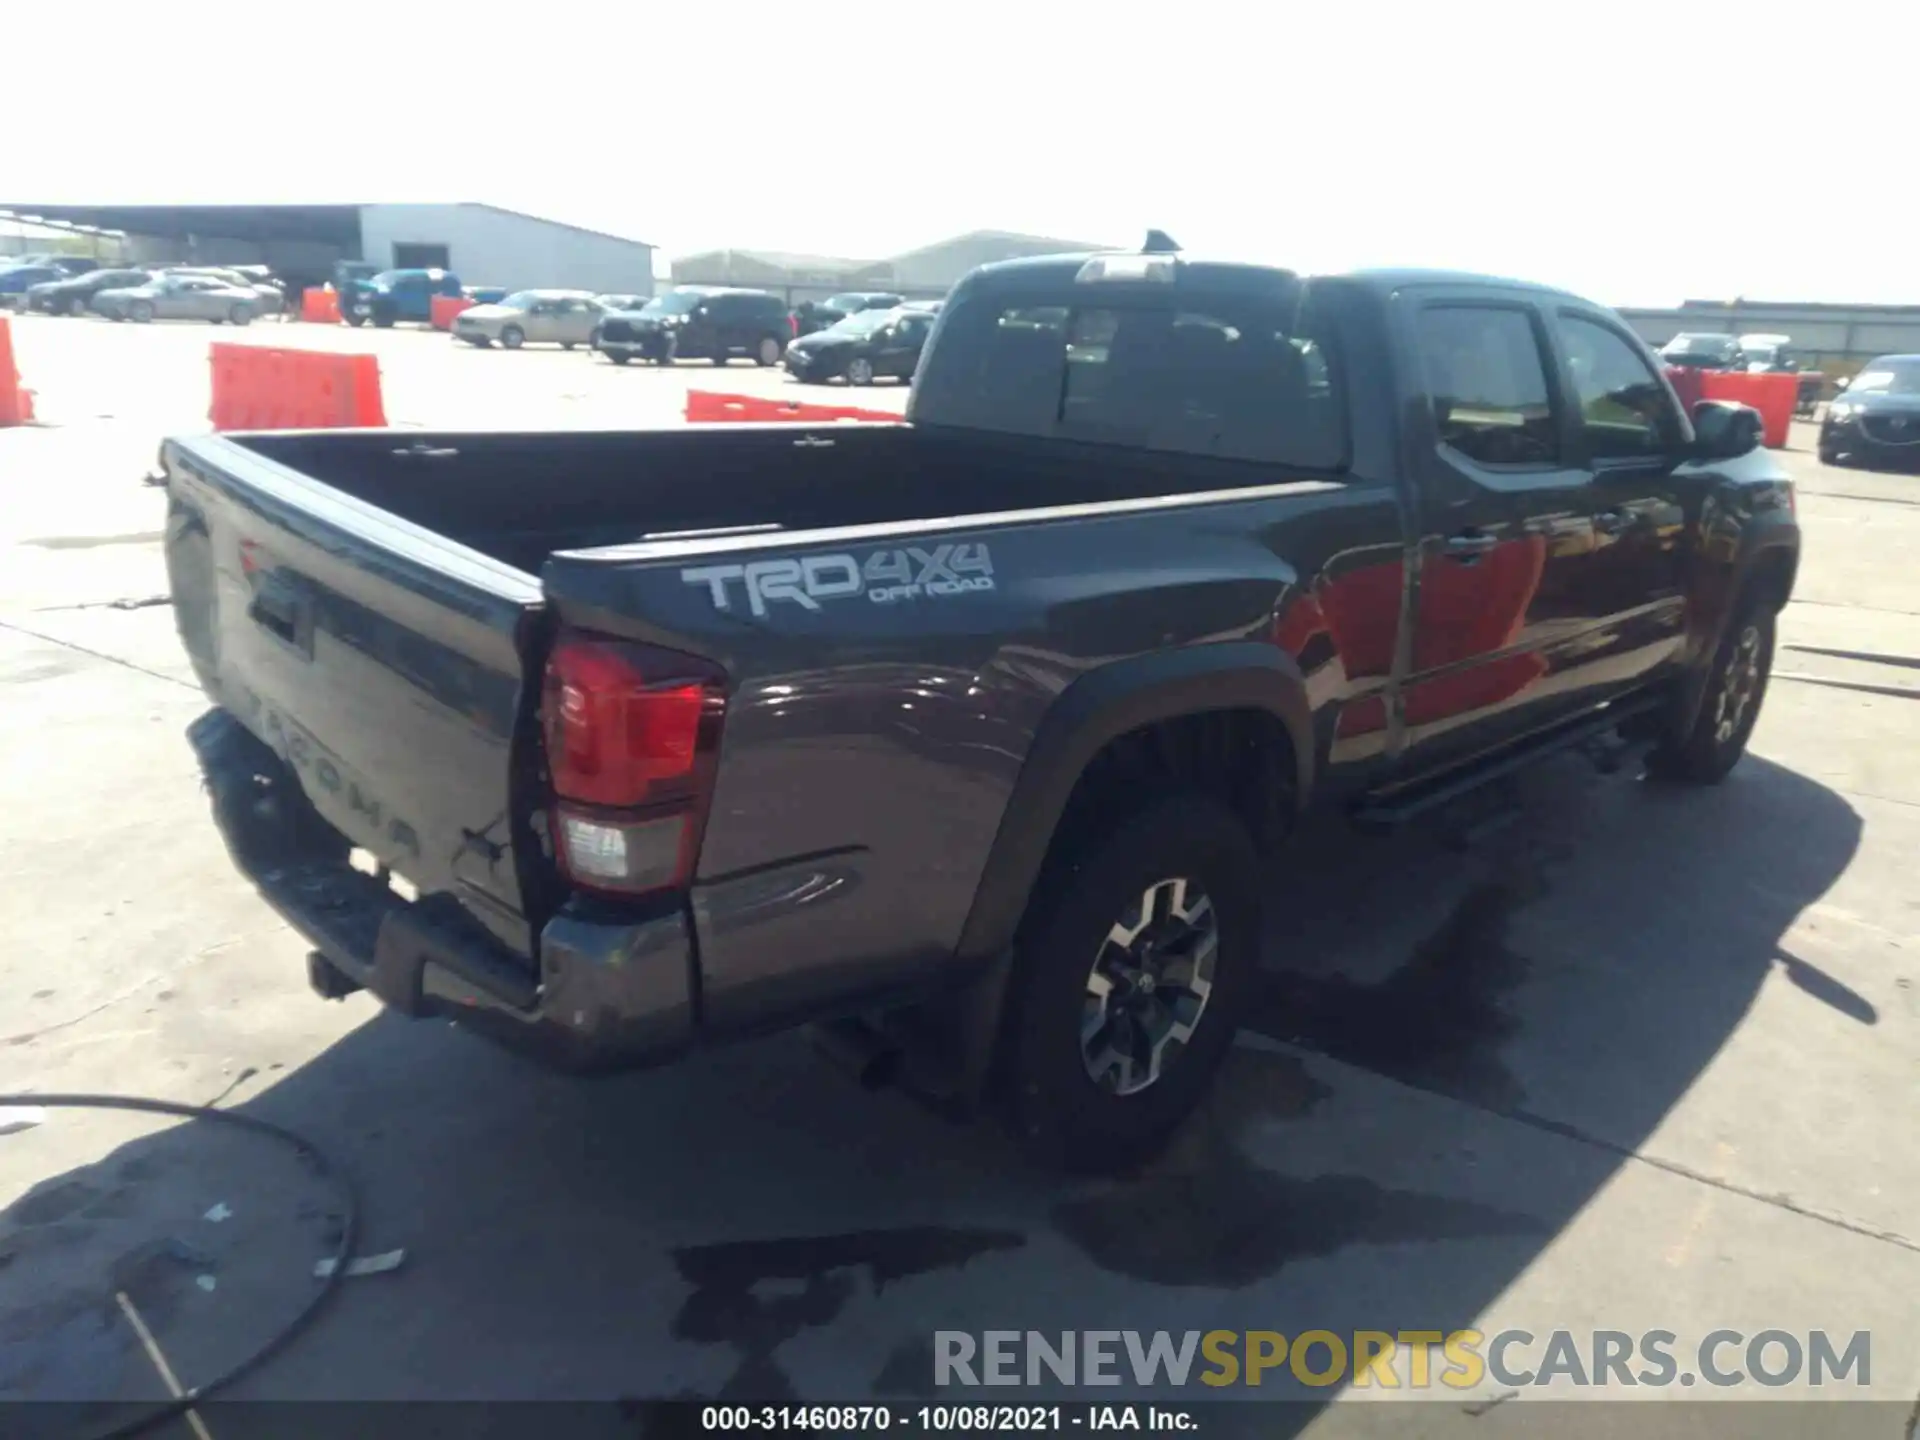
(883, 576)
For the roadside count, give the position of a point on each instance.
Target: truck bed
(519, 498)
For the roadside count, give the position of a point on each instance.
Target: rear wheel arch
(1167, 719)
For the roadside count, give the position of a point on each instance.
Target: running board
(1389, 811)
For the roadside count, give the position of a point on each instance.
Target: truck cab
(395, 295)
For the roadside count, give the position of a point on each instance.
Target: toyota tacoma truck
(965, 741)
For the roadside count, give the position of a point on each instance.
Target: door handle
(1469, 545)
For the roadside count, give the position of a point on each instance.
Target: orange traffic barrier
(16, 401)
(1685, 380)
(258, 387)
(320, 307)
(442, 308)
(705, 407)
(1774, 396)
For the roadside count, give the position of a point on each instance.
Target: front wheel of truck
(1735, 687)
(1130, 975)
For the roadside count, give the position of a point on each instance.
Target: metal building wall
(486, 246)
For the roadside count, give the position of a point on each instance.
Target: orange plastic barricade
(16, 401)
(257, 387)
(1774, 396)
(442, 308)
(1685, 380)
(320, 307)
(705, 407)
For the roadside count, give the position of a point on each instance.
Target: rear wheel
(140, 311)
(241, 314)
(720, 356)
(512, 337)
(618, 357)
(1736, 686)
(1130, 975)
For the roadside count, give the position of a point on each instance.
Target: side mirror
(1723, 430)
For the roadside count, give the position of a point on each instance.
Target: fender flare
(1097, 708)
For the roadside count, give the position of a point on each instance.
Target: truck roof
(1042, 269)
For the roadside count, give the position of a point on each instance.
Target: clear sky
(1639, 153)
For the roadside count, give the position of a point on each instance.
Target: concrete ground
(1646, 1059)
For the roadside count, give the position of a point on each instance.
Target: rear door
(383, 662)
(1505, 609)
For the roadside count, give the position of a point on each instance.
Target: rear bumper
(610, 994)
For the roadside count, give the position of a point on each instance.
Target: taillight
(632, 732)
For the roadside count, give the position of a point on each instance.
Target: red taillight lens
(631, 733)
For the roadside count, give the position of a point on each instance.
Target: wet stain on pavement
(908, 1370)
(1229, 1224)
(1438, 1022)
(755, 1295)
(49, 1204)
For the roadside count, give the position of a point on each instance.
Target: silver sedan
(182, 297)
(553, 317)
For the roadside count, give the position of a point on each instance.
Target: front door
(1504, 612)
(898, 347)
(543, 321)
(1632, 444)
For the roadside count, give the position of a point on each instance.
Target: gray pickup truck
(966, 740)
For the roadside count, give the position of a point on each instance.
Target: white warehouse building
(486, 245)
(482, 244)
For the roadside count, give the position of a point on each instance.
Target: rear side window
(1230, 377)
(1488, 382)
(1624, 409)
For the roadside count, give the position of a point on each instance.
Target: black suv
(697, 322)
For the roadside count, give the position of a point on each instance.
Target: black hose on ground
(349, 1228)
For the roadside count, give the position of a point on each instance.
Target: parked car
(74, 294)
(541, 317)
(699, 322)
(396, 295)
(182, 297)
(862, 348)
(1699, 350)
(1773, 355)
(64, 263)
(1876, 419)
(16, 280)
(973, 739)
(811, 316)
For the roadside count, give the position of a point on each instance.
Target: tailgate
(382, 662)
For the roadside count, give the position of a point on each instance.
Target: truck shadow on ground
(748, 1225)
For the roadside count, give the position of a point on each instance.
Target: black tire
(356, 321)
(618, 357)
(75, 306)
(568, 344)
(720, 357)
(860, 371)
(140, 312)
(241, 314)
(1706, 754)
(479, 342)
(512, 337)
(1058, 1110)
(767, 353)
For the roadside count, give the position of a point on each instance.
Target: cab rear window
(1230, 377)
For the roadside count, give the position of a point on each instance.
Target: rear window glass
(1232, 377)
